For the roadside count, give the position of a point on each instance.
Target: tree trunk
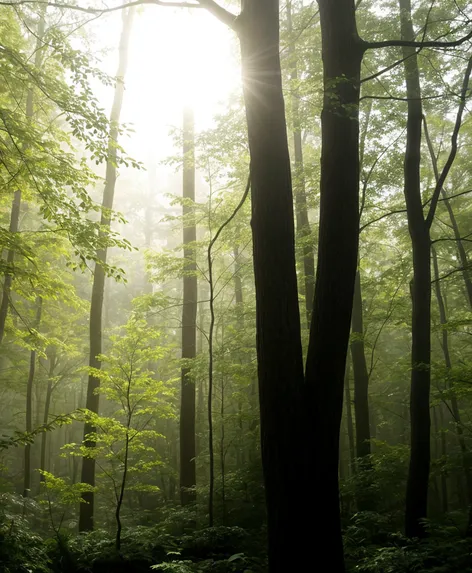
(47, 404)
(301, 208)
(418, 473)
(92, 401)
(459, 244)
(454, 405)
(349, 423)
(16, 204)
(444, 496)
(342, 53)
(29, 403)
(8, 276)
(188, 478)
(279, 349)
(361, 376)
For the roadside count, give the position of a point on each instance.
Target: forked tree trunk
(188, 478)
(418, 473)
(86, 517)
(29, 403)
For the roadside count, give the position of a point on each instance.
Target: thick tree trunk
(188, 478)
(29, 403)
(342, 53)
(418, 473)
(86, 518)
(279, 349)
(361, 376)
(301, 208)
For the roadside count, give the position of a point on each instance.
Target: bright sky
(177, 57)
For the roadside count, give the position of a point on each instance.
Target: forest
(236, 286)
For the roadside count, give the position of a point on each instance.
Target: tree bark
(86, 517)
(29, 403)
(342, 53)
(188, 478)
(418, 473)
(47, 404)
(279, 349)
(16, 203)
(361, 376)
(454, 405)
(303, 230)
(455, 227)
(349, 422)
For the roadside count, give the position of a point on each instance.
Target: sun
(178, 57)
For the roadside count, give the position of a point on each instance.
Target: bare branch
(104, 10)
(413, 44)
(223, 15)
(453, 152)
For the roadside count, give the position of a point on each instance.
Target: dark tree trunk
(16, 204)
(8, 276)
(444, 496)
(86, 518)
(418, 473)
(279, 349)
(29, 403)
(464, 260)
(349, 422)
(454, 405)
(301, 208)
(188, 478)
(361, 376)
(47, 405)
(342, 53)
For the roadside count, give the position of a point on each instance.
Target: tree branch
(223, 15)
(412, 44)
(453, 152)
(104, 10)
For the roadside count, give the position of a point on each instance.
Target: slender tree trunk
(8, 276)
(418, 473)
(444, 496)
(119, 501)
(86, 518)
(279, 349)
(29, 403)
(455, 227)
(301, 208)
(47, 404)
(361, 376)
(349, 422)
(188, 478)
(16, 204)
(454, 405)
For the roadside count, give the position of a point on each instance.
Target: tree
(98, 287)
(188, 478)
